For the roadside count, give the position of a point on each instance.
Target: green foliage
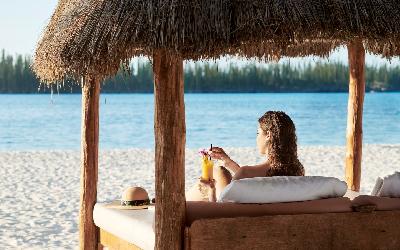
(17, 77)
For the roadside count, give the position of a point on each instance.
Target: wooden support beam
(354, 132)
(88, 232)
(170, 139)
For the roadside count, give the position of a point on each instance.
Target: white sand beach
(39, 190)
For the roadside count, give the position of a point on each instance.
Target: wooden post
(88, 233)
(170, 139)
(354, 132)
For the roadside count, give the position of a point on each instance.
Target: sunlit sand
(39, 202)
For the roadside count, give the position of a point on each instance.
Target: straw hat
(132, 198)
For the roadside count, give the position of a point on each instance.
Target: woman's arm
(250, 172)
(231, 165)
(212, 195)
(210, 185)
(219, 154)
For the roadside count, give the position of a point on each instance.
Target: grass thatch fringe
(96, 36)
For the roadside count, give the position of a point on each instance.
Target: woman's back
(293, 169)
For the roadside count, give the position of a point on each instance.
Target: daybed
(366, 222)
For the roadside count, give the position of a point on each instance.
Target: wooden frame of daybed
(353, 230)
(348, 230)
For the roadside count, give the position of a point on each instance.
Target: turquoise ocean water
(40, 122)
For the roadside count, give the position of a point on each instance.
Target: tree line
(16, 76)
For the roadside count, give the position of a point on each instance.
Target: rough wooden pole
(88, 233)
(354, 132)
(170, 139)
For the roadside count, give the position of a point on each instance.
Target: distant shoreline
(151, 93)
(151, 150)
(16, 76)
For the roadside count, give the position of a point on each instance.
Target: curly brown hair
(282, 144)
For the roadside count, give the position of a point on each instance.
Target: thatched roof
(96, 36)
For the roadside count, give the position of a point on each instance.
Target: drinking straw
(211, 150)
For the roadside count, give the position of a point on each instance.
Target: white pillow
(389, 186)
(282, 189)
(377, 187)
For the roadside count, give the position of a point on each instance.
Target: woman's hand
(210, 185)
(219, 154)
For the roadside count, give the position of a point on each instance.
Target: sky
(22, 22)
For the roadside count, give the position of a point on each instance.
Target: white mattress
(134, 226)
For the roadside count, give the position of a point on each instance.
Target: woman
(276, 139)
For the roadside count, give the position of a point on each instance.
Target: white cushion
(133, 226)
(377, 187)
(389, 186)
(282, 189)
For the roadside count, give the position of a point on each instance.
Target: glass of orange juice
(207, 166)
